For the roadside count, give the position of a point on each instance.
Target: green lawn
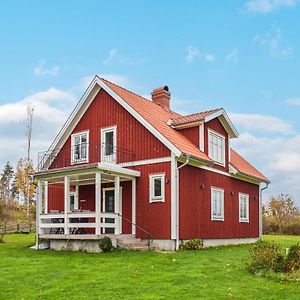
(216, 273)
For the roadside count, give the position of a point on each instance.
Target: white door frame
(76, 200)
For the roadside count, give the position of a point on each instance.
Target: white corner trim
(201, 137)
(152, 198)
(174, 197)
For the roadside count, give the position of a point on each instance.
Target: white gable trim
(225, 120)
(85, 102)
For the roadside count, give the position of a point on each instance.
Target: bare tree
(28, 128)
(28, 134)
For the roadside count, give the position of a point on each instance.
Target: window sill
(222, 220)
(156, 200)
(244, 221)
(79, 162)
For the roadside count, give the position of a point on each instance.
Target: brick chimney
(162, 96)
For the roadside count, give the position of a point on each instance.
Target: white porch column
(66, 206)
(133, 205)
(98, 203)
(117, 205)
(38, 208)
(46, 196)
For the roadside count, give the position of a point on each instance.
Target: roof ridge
(198, 113)
(143, 98)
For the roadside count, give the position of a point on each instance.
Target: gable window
(217, 204)
(108, 145)
(243, 207)
(157, 188)
(216, 147)
(79, 147)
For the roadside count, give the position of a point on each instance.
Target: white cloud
(210, 57)
(115, 56)
(40, 69)
(266, 6)
(273, 42)
(192, 53)
(294, 101)
(278, 158)
(261, 123)
(232, 55)
(47, 105)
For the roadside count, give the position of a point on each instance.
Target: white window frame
(212, 132)
(213, 217)
(152, 197)
(109, 158)
(73, 136)
(244, 219)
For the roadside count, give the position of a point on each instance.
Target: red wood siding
(132, 136)
(216, 125)
(192, 134)
(195, 204)
(56, 197)
(153, 217)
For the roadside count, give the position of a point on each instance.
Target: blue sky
(240, 55)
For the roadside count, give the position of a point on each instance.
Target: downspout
(260, 209)
(177, 199)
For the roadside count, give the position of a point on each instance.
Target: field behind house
(216, 273)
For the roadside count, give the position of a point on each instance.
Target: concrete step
(132, 243)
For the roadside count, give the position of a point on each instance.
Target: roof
(193, 117)
(157, 121)
(244, 167)
(158, 118)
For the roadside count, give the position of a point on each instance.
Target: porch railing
(73, 223)
(83, 153)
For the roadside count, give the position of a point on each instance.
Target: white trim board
(146, 162)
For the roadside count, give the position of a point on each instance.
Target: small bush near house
(105, 244)
(292, 261)
(266, 256)
(292, 229)
(191, 245)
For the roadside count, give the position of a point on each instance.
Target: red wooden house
(133, 169)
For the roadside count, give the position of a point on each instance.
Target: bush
(292, 229)
(292, 261)
(195, 244)
(266, 256)
(105, 244)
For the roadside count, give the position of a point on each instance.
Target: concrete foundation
(224, 242)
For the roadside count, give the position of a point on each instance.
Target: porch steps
(129, 241)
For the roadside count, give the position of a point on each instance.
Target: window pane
(109, 143)
(157, 187)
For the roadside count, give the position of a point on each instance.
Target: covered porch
(85, 202)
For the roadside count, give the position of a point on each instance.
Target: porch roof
(108, 168)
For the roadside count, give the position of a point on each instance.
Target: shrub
(195, 244)
(292, 261)
(105, 244)
(266, 256)
(292, 229)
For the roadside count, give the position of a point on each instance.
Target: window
(157, 188)
(243, 207)
(108, 149)
(79, 147)
(216, 147)
(217, 204)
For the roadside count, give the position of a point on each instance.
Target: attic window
(216, 147)
(79, 147)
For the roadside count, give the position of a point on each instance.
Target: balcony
(85, 153)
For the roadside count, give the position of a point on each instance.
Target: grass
(215, 273)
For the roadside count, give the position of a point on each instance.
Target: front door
(109, 207)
